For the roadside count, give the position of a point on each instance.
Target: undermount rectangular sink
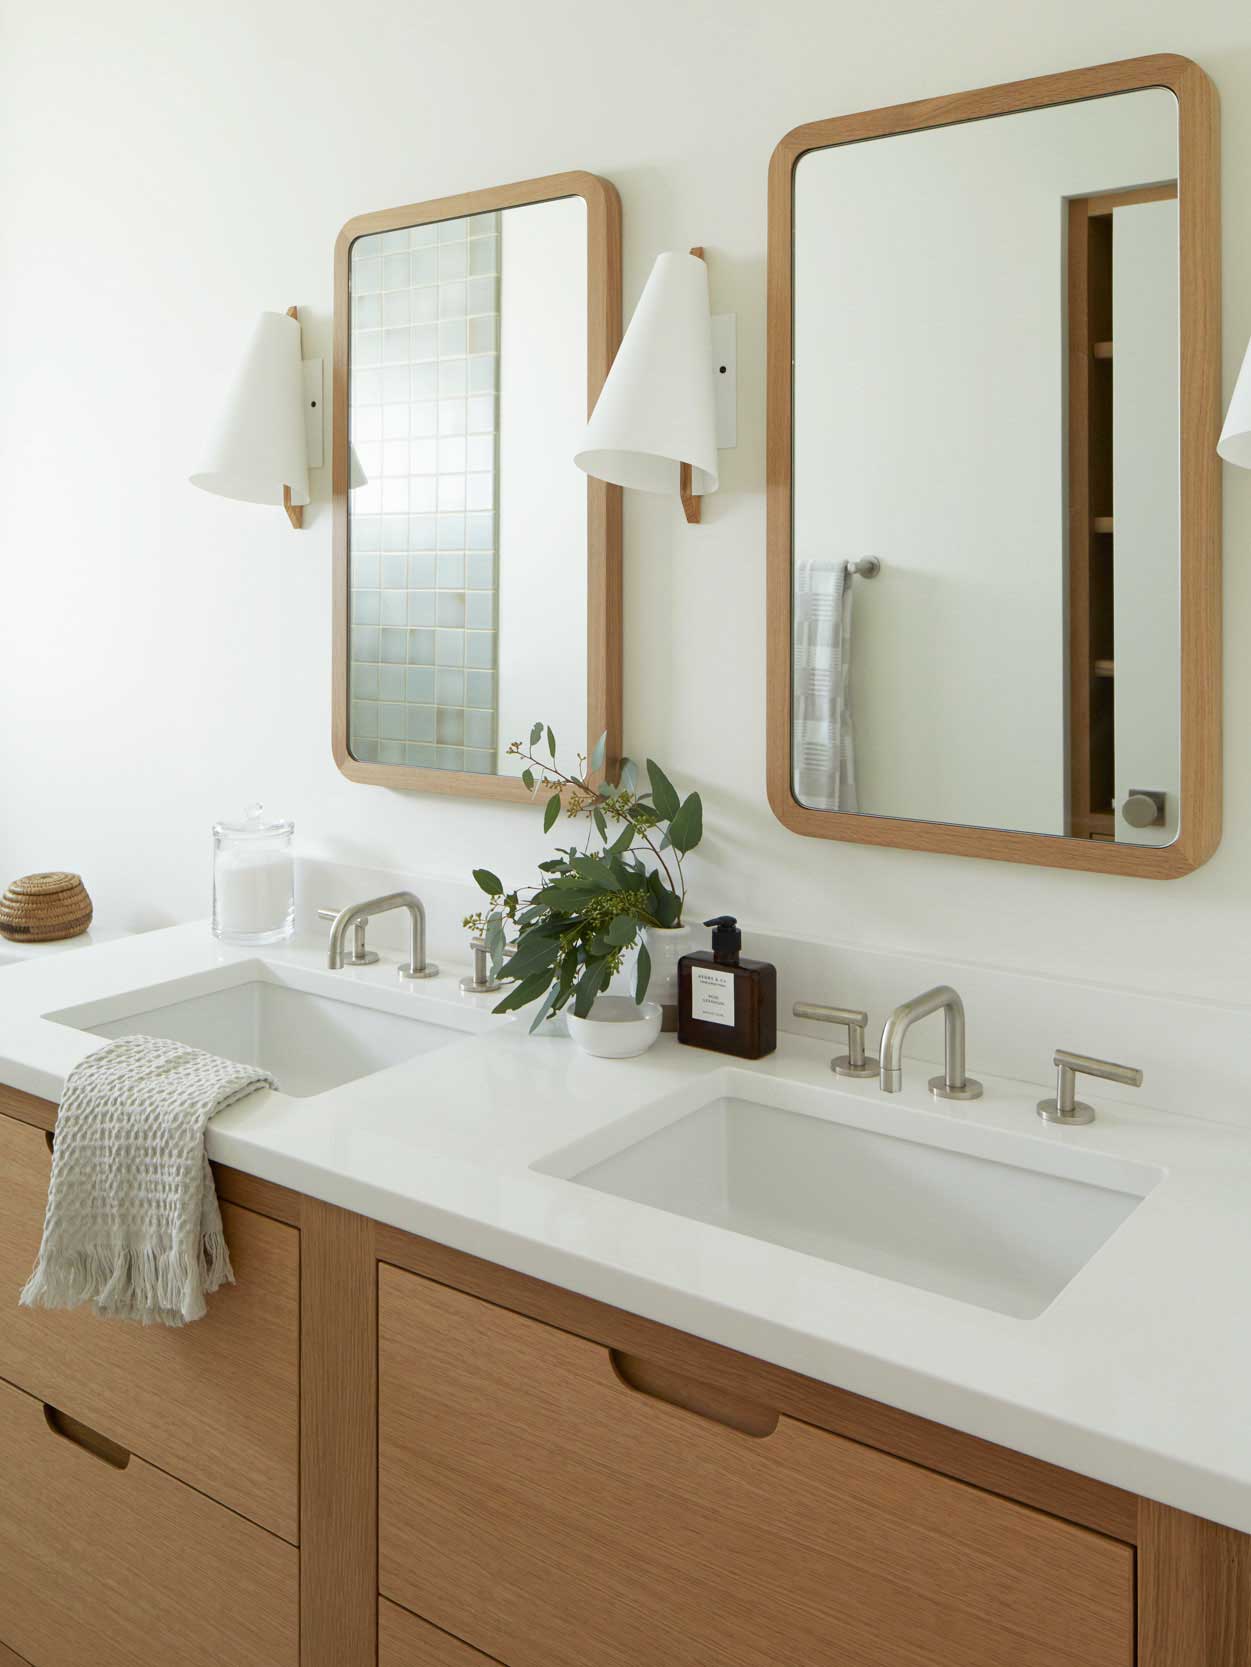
(310, 1034)
(1002, 1235)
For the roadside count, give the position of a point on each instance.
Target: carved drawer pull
(82, 1435)
(722, 1406)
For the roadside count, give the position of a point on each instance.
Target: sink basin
(1006, 1227)
(309, 1031)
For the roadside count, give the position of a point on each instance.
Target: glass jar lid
(253, 825)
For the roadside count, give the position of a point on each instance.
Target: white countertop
(1138, 1373)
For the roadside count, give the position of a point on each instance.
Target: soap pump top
(727, 940)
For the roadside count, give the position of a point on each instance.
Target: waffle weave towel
(133, 1225)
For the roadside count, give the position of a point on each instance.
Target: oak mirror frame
(1197, 625)
(589, 211)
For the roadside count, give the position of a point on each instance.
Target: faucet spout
(954, 1084)
(416, 966)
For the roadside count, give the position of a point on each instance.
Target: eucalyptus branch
(576, 925)
(553, 777)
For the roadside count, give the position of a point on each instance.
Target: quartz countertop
(1137, 1373)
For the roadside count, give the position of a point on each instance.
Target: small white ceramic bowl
(617, 1027)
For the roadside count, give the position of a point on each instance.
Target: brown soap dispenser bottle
(724, 1002)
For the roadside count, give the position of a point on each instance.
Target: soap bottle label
(712, 995)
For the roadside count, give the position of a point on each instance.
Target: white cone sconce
(270, 432)
(655, 425)
(1234, 444)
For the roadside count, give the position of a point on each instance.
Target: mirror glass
(986, 410)
(467, 520)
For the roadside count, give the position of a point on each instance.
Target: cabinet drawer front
(534, 1504)
(215, 1403)
(127, 1567)
(405, 1641)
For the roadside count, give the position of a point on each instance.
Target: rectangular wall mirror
(477, 570)
(994, 498)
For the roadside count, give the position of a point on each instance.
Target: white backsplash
(1192, 1052)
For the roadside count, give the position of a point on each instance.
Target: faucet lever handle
(361, 956)
(480, 982)
(1066, 1107)
(853, 1063)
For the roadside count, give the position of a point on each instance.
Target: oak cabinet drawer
(536, 1505)
(215, 1403)
(125, 1567)
(405, 1641)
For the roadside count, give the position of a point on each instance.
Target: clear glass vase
(666, 945)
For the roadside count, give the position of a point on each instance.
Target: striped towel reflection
(823, 758)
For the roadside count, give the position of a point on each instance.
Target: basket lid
(47, 884)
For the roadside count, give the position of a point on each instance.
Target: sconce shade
(260, 444)
(1234, 444)
(657, 410)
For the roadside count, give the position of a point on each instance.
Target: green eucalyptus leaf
(596, 869)
(490, 883)
(527, 776)
(600, 821)
(629, 778)
(530, 989)
(495, 944)
(544, 1010)
(568, 972)
(598, 752)
(664, 793)
(642, 973)
(532, 957)
(535, 731)
(687, 827)
(668, 908)
(622, 930)
(551, 813)
(551, 741)
(590, 984)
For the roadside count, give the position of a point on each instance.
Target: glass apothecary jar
(253, 880)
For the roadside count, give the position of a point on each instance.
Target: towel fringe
(133, 1282)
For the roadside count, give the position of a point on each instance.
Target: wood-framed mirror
(477, 571)
(994, 595)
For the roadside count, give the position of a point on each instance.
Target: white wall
(931, 415)
(542, 492)
(164, 655)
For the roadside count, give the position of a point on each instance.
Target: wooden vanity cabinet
(107, 1561)
(536, 1503)
(482, 1470)
(404, 1640)
(216, 1405)
(149, 1476)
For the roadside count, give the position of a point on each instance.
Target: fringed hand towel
(824, 765)
(133, 1225)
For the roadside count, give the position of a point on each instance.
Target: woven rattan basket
(43, 907)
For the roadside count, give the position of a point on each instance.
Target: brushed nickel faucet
(357, 913)
(953, 1084)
